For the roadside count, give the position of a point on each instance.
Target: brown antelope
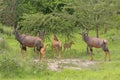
(97, 43)
(56, 45)
(43, 51)
(28, 41)
(68, 45)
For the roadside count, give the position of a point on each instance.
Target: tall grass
(6, 30)
(14, 66)
(9, 66)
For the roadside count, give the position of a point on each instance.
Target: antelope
(28, 41)
(97, 43)
(43, 51)
(56, 45)
(68, 45)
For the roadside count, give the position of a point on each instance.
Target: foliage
(52, 23)
(5, 30)
(95, 14)
(8, 15)
(48, 6)
(9, 66)
(60, 16)
(3, 45)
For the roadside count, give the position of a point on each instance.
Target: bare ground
(58, 64)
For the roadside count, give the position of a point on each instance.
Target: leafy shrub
(3, 45)
(52, 23)
(9, 66)
(6, 30)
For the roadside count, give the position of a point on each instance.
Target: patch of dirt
(78, 64)
(58, 64)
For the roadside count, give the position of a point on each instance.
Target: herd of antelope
(37, 43)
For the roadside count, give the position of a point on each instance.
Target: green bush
(3, 45)
(6, 30)
(52, 23)
(9, 66)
